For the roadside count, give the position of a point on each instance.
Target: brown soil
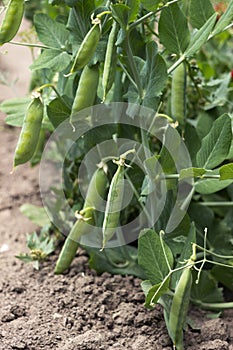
(80, 310)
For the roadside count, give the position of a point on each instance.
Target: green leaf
(215, 146)
(192, 142)
(208, 186)
(206, 291)
(50, 32)
(226, 172)
(173, 29)
(79, 21)
(119, 260)
(146, 286)
(121, 14)
(26, 258)
(155, 73)
(151, 5)
(221, 234)
(223, 275)
(58, 111)
(134, 6)
(200, 11)
(204, 124)
(155, 293)
(220, 95)
(151, 257)
(224, 20)
(15, 109)
(200, 36)
(52, 59)
(35, 214)
(204, 220)
(191, 172)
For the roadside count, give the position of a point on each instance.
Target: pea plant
(171, 61)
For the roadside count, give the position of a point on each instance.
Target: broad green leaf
(151, 256)
(36, 214)
(220, 236)
(121, 14)
(15, 110)
(119, 260)
(215, 146)
(200, 11)
(223, 275)
(204, 124)
(173, 29)
(134, 6)
(206, 218)
(151, 5)
(226, 172)
(79, 21)
(224, 20)
(146, 286)
(208, 186)
(192, 142)
(155, 293)
(52, 59)
(201, 36)
(206, 291)
(58, 111)
(220, 95)
(152, 166)
(191, 172)
(155, 73)
(50, 32)
(177, 238)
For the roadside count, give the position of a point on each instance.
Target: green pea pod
(87, 48)
(11, 21)
(179, 308)
(30, 132)
(39, 148)
(81, 227)
(110, 61)
(69, 249)
(114, 204)
(178, 94)
(86, 92)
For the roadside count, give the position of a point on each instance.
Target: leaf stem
(217, 204)
(176, 64)
(151, 13)
(213, 306)
(33, 45)
(205, 176)
(214, 254)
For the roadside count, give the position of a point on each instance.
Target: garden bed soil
(78, 310)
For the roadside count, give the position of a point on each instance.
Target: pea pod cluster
(30, 132)
(87, 48)
(178, 94)
(11, 21)
(86, 91)
(86, 217)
